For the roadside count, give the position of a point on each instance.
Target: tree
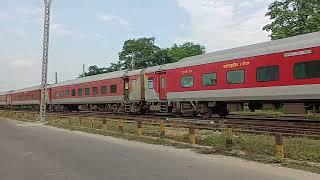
(145, 54)
(293, 17)
(114, 67)
(93, 70)
(143, 51)
(188, 49)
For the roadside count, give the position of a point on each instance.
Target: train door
(126, 88)
(162, 86)
(9, 99)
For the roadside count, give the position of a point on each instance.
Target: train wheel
(177, 113)
(207, 114)
(222, 110)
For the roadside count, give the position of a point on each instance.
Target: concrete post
(120, 125)
(192, 134)
(139, 126)
(279, 146)
(162, 129)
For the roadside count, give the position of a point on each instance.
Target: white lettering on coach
(297, 53)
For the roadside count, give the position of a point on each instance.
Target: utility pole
(43, 105)
(56, 78)
(84, 70)
(132, 62)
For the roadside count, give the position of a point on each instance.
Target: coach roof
(270, 47)
(26, 89)
(111, 75)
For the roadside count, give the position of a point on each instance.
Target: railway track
(260, 125)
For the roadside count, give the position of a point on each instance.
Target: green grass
(313, 117)
(275, 114)
(261, 113)
(302, 149)
(295, 148)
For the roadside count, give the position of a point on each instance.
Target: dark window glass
(270, 73)
(235, 77)
(187, 81)
(95, 90)
(61, 93)
(87, 91)
(79, 92)
(113, 88)
(103, 89)
(163, 83)
(73, 92)
(306, 70)
(209, 79)
(67, 92)
(150, 83)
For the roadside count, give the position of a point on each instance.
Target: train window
(103, 89)
(67, 92)
(304, 70)
(57, 94)
(186, 81)
(79, 92)
(95, 91)
(61, 93)
(235, 77)
(87, 91)
(150, 83)
(73, 92)
(209, 79)
(269, 73)
(113, 88)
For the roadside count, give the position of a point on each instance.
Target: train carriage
(118, 91)
(3, 99)
(28, 98)
(282, 73)
(276, 72)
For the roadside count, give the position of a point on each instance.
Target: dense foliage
(145, 53)
(293, 17)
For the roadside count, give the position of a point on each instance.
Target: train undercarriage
(185, 108)
(222, 109)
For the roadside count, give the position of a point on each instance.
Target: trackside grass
(276, 114)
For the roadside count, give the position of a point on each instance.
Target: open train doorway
(126, 88)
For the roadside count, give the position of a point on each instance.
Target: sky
(92, 32)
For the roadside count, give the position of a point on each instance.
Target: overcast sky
(93, 31)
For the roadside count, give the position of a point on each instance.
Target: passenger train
(276, 74)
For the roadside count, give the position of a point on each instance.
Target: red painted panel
(3, 98)
(286, 76)
(117, 81)
(26, 96)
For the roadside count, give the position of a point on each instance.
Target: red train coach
(283, 73)
(272, 74)
(3, 99)
(28, 98)
(119, 91)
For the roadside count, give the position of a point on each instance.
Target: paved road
(36, 152)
